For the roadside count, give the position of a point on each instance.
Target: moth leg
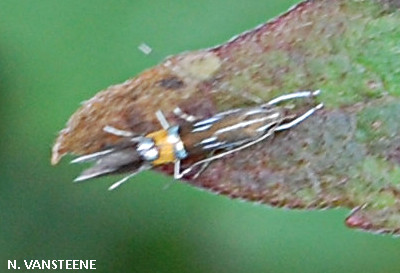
(296, 95)
(122, 133)
(179, 175)
(221, 155)
(185, 116)
(163, 121)
(203, 167)
(177, 170)
(176, 174)
(298, 120)
(114, 131)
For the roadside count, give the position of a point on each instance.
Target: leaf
(347, 155)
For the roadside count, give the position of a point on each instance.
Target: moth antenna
(126, 178)
(92, 173)
(91, 157)
(120, 182)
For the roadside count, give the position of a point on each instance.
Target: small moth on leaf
(213, 138)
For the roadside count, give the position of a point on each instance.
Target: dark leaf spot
(171, 83)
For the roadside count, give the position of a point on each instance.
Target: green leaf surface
(347, 155)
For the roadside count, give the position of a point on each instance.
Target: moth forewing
(229, 130)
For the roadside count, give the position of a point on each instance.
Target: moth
(211, 138)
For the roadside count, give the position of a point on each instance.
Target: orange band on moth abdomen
(165, 148)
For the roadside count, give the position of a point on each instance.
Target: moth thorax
(175, 139)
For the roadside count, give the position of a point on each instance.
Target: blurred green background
(55, 54)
